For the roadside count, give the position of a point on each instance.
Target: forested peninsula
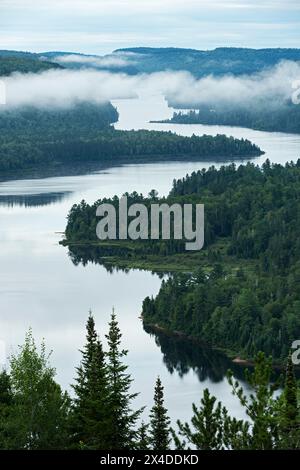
(37, 138)
(262, 117)
(241, 292)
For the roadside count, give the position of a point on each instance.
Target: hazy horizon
(101, 26)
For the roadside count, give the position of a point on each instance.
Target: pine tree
(290, 394)
(212, 428)
(123, 419)
(90, 417)
(159, 420)
(290, 438)
(143, 438)
(261, 405)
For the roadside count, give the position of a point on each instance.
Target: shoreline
(89, 167)
(169, 121)
(232, 356)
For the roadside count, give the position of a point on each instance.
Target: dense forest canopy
(285, 118)
(253, 213)
(219, 61)
(36, 137)
(23, 63)
(137, 60)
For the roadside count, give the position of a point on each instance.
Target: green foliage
(90, 417)
(102, 417)
(159, 421)
(32, 138)
(264, 116)
(260, 405)
(123, 418)
(219, 61)
(254, 214)
(6, 399)
(212, 427)
(290, 394)
(38, 409)
(143, 440)
(256, 210)
(23, 64)
(290, 424)
(35, 414)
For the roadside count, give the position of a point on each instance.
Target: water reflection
(62, 170)
(109, 257)
(182, 355)
(33, 200)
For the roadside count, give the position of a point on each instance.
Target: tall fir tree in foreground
(123, 434)
(90, 420)
(159, 420)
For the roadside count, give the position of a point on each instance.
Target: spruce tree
(123, 420)
(291, 419)
(290, 395)
(261, 405)
(143, 438)
(90, 416)
(159, 420)
(212, 428)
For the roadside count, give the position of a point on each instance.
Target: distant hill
(135, 60)
(219, 61)
(115, 62)
(19, 61)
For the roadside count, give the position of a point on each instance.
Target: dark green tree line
(36, 414)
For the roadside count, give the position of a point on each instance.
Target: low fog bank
(65, 88)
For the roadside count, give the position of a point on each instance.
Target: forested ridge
(263, 117)
(100, 414)
(11, 62)
(219, 61)
(243, 297)
(138, 60)
(32, 138)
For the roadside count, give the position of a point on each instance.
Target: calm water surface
(41, 288)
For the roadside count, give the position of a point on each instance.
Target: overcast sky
(100, 26)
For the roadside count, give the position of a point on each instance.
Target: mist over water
(272, 87)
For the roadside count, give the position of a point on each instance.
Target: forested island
(240, 293)
(285, 118)
(37, 138)
(36, 414)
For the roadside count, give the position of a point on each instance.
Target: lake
(41, 288)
